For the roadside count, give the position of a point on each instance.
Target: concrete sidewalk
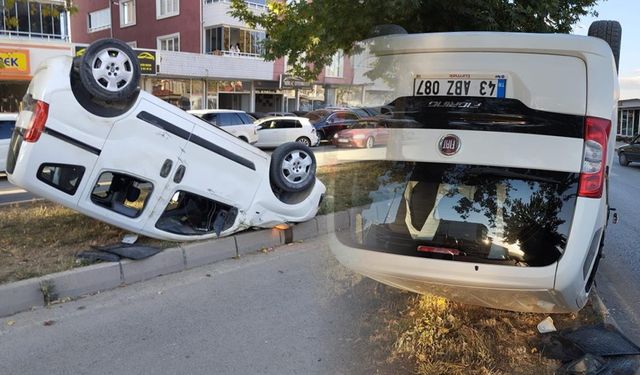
(36, 292)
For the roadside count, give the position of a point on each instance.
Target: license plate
(343, 140)
(490, 86)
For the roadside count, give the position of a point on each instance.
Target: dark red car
(366, 133)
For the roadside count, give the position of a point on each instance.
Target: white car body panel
(276, 137)
(243, 131)
(561, 74)
(131, 145)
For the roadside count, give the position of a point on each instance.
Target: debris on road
(546, 325)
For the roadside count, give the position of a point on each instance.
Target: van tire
(610, 32)
(121, 58)
(293, 167)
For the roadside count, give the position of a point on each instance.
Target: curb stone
(25, 294)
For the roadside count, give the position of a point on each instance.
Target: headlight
(335, 135)
(358, 136)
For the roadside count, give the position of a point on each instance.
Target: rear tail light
(594, 158)
(37, 122)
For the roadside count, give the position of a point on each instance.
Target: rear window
(509, 216)
(6, 128)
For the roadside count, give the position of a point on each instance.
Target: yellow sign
(14, 62)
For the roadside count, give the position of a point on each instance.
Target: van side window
(192, 214)
(124, 194)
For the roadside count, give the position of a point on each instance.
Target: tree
(311, 32)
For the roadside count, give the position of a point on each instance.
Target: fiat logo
(449, 145)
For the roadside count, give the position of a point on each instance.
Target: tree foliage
(311, 32)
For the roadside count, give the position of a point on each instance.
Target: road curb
(36, 292)
(602, 310)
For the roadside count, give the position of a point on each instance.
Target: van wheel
(622, 159)
(110, 71)
(293, 167)
(610, 32)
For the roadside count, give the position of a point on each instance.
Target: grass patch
(444, 337)
(42, 237)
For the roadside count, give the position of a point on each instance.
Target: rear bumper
(509, 288)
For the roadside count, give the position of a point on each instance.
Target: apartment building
(30, 32)
(205, 57)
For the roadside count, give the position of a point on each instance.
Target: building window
(169, 42)
(221, 39)
(127, 13)
(99, 20)
(167, 8)
(335, 69)
(34, 20)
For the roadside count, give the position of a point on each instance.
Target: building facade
(204, 56)
(30, 32)
(628, 117)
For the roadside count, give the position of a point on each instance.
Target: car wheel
(610, 32)
(622, 159)
(321, 136)
(293, 167)
(110, 71)
(370, 142)
(305, 141)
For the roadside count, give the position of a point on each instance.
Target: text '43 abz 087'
(89, 139)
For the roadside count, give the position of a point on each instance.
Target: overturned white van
(492, 189)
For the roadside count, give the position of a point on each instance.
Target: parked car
(629, 153)
(235, 122)
(279, 114)
(300, 113)
(89, 139)
(330, 121)
(7, 123)
(366, 133)
(274, 131)
(498, 197)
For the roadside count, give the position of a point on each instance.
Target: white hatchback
(89, 139)
(492, 188)
(235, 122)
(274, 131)
(7, 123)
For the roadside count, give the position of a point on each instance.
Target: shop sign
(288, 81)
(146, 59)
(14, 62)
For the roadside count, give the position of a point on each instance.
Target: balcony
(214, 12)
(222, 65)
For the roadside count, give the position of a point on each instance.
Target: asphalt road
(291, 311)
(618, 278)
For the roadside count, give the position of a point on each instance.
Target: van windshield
(457, 212)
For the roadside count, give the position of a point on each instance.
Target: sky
(627, 12)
